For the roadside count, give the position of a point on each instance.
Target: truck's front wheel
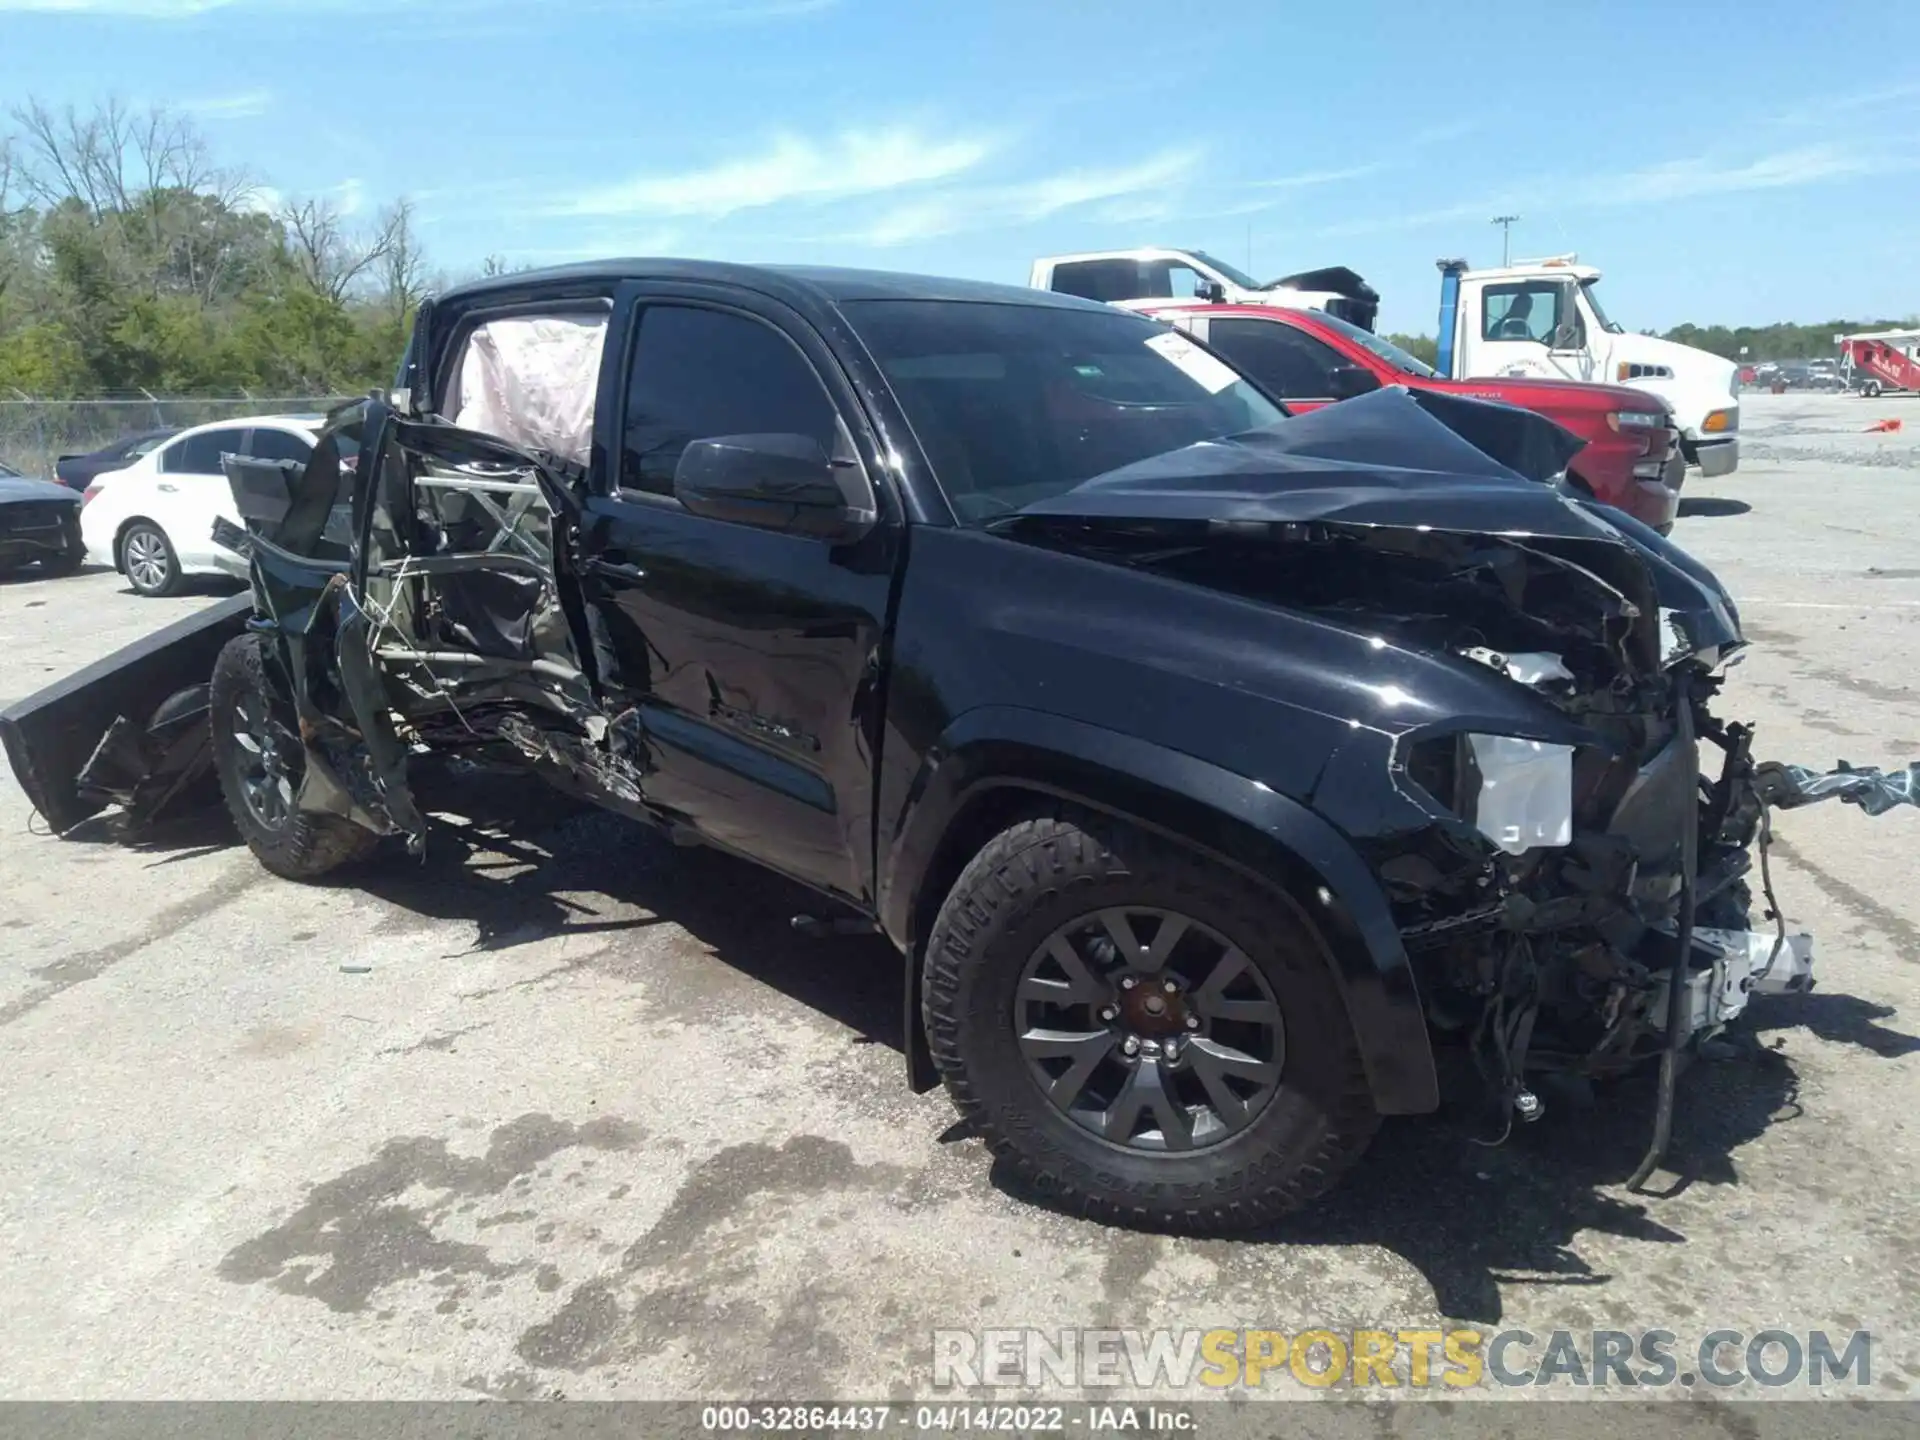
(258, 756)
(1147, 1037)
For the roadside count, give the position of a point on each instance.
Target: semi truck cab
(1544, 318)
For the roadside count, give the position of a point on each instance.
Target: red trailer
(1885, 361)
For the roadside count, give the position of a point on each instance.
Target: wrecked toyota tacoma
(1210, 768)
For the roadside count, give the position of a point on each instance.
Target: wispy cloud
(1309, 178)
(347, 199)
(151, 9)
(1142, 186)
(712, 11)
(242, 106)
(612, 242)
(1690, 178)
(1444, 132)
(1901, 96)
(1407, 220)
(792, 168)
(1687, 179)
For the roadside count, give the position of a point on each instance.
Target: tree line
(131, 260)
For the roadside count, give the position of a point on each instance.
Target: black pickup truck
(1206, 765)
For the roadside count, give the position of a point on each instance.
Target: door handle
(617, 565)
(167, 489)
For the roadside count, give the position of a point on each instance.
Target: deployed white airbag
(531, 382)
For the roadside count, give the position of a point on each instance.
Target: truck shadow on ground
(528, 863)
(1474, 1218)
(1702, 506)
(524, 863)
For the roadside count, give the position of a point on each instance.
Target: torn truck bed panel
(52, 734)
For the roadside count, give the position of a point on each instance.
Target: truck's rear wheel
(258, 755)
(1147, 1037)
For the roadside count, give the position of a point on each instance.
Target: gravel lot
(565, 1111)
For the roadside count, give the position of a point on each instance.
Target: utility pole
(1505, 222)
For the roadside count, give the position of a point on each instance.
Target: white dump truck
(1152, 275)
(1543, 317)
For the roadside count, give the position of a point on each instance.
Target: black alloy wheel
(260, 760)
(1142, 1034)
(1149, 1029)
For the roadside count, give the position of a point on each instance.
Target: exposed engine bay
(1573, 886)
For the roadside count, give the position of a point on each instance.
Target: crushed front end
(1532, 763)
(1566, 884)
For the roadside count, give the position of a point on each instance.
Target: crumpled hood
(19, 487)
(1392, 457)
(1419, 461)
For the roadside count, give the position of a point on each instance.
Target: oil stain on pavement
(354, 1237)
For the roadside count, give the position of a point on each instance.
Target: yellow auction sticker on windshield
(1196, 364)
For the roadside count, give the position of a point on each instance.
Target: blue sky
(1733, 162)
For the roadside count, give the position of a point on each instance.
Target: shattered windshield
(1018, 403)
(1593, 299)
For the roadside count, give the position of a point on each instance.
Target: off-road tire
(171, 576)
(304, 846)
(1044, 872)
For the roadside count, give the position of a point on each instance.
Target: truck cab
(1544, 318)
(1153, 275)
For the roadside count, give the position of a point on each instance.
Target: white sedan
(153, 521)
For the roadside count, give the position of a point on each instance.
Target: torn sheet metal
(1437, 476)
(151, 768)
(1788, 787)
(52, 735)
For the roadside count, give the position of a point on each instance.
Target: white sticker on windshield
(1196, 364)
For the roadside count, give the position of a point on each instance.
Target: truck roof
(1549, 267)
(814, 282)
(1130, 252)
(1884, 335)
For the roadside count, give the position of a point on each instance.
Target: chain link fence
(34, 433)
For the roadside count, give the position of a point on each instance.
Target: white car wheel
(146, 555)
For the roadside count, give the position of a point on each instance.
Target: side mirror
(1351, 380)
(776, 482)
(1211, 291)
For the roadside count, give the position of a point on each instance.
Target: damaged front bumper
(1746, 963)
